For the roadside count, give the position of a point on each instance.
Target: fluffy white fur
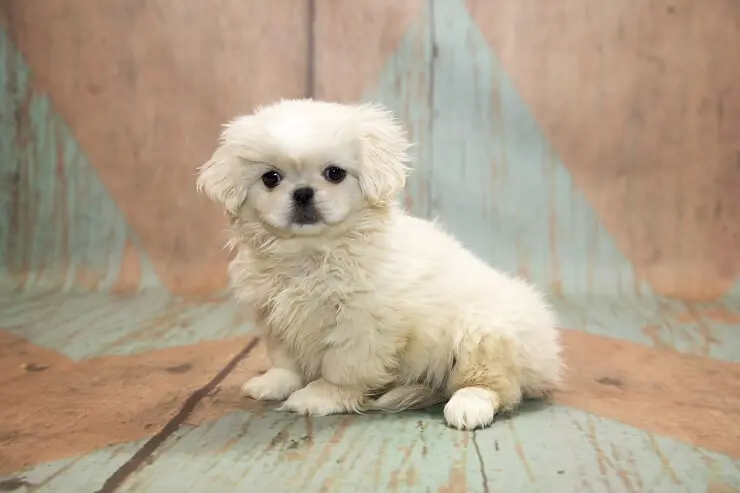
(368, 308)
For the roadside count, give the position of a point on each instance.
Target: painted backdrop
(593, 149)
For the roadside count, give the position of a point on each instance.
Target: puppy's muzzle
(304, 208)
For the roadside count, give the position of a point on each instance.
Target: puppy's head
(301, 166)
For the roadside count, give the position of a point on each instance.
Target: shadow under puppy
(362, 306)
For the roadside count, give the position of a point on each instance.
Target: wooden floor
(140, 393)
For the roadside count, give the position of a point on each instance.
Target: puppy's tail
(414, 396)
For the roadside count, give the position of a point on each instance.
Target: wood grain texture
(486, 170)
(555, 449)
(109, 371)
(641, 101)
(121, 325)
(145, 86)
(705, 330)
(354, 41)
(588, 147)
(664, 143)
(82, 473)
(57, 408)
(59, 226)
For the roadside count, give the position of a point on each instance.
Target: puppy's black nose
(303, 195)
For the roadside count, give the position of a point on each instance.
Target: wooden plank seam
(141, 456)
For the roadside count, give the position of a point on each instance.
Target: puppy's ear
(219, 180)
(223, 178)
(384, 154)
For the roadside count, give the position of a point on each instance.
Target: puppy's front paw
(275, 385)
(318, 398)
(470, 408)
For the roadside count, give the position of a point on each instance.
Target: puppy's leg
(349, 374)
(278, 382)
(321, 398)
(485, 381)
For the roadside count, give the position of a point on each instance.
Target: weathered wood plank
(641, 101)
(486, 170)
(702, 329)
(354, 41)
(83, 474)
(155, 320)
(552, 449)
(55, 408)
(484, 140)
(145, 88)
(135, 344)
(85, 325)
(59, 226)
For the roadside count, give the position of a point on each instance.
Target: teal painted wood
(82, 474)
(56, 217)
(484, 167)
(409, 451)
(659, 322)
(85, 325)
(553, 449)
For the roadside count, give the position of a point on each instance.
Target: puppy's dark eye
(334, 174)
(271, 179)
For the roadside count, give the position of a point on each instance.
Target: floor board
(652, 404)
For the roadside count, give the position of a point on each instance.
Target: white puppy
(362, 306)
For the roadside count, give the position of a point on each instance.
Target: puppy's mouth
(305, 216)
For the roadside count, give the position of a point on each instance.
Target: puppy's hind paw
(470, 408)
(275, 385)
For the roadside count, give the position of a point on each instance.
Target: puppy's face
(305, 177)
(299, 167)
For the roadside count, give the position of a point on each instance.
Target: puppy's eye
(271, 179)
(334, 174)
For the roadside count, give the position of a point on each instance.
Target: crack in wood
(144, 455)
(481, 463)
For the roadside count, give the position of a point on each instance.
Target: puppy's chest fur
(300, 300)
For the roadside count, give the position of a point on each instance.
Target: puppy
(362, 306)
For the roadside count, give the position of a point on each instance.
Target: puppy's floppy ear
(223, 178)
(384, 154)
